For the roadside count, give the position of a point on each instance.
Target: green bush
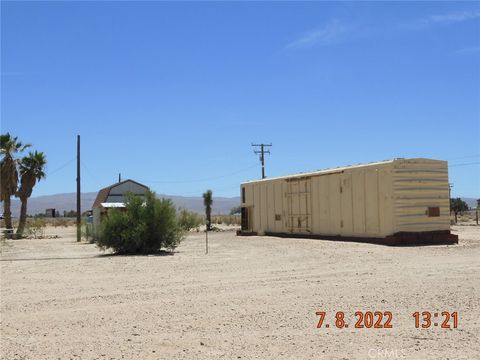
(189, 219)
(144, 226)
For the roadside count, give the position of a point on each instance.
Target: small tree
(31, 170)
(458, 206)
(9, 147)
(235, 210)
(71, 213)
(208, 201)
(143, 227)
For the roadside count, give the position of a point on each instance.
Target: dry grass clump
(226, 219)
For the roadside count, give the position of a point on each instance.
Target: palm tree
(9, 146)
(31, 169)
(207, 201)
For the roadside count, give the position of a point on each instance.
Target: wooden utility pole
(79, 208)
(206, 240)
(477, 210)
(262, 153)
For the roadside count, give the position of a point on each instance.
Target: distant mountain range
(67, 202)
(471, 202)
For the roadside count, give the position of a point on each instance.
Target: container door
(245, 215)
(299, 206)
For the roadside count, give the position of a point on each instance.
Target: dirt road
(249, 298)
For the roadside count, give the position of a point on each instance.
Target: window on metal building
(433, 211)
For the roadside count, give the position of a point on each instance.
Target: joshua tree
(31, 169)
(207, 201)
(458, 206)
(9, 146)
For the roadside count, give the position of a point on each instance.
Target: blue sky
(173, 94)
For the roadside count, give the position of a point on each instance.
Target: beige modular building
(392, 202)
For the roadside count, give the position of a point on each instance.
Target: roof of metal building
(103, 193)
(339, 169)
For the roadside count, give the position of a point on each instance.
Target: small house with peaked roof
(113, 196)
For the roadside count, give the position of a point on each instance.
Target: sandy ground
(249, 298)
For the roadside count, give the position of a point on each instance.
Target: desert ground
(249, 298)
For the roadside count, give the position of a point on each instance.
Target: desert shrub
(62, 222)
(3, 242)
(231, 219)
(226, 219)
(189, 220)
(36, 228)
(87, 232)
(141, 227)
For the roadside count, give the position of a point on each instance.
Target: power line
(465, 164)
(217, 188)
(262, 153)
(61, 167)
(465, 157)
(87, 170)
(198, 180)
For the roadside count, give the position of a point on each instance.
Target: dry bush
(226, 219)
(65, 222)
(189, 220)
(36, 228)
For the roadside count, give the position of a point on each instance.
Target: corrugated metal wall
(352, 203)
(419, 185)
(365, 201)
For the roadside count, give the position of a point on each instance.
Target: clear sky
(173, 94)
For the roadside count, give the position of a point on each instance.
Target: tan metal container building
(391, 202)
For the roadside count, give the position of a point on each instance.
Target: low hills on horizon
(67, 201)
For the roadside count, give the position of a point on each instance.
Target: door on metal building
(245, 216)
(299, 205)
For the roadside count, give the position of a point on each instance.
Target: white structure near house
(113, 196)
